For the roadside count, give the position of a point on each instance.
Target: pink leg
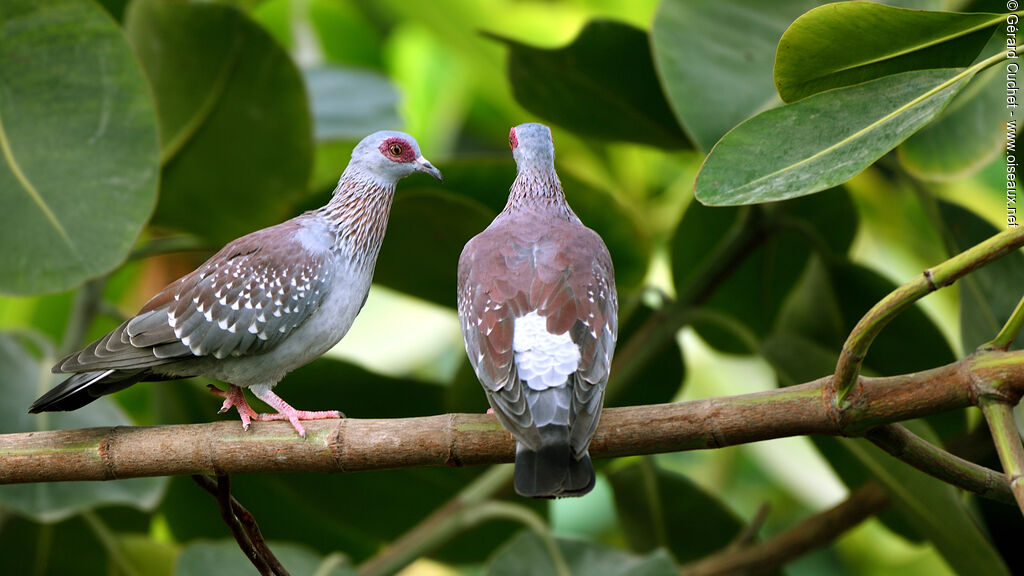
(234, 398)
(286, 412)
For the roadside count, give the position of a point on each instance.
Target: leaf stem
(1009, 332)
(999, 414)
(109, 542)
(863, 334)
(441, 526)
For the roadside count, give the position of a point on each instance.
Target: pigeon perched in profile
(538, 310)
(266, 304)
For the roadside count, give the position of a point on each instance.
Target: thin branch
(818, 530)
(441, 526)
(863, 334)
(243, 526)
(218, 489)
(999, 415)
(350, 445)
(904, 445)
(1006, 336)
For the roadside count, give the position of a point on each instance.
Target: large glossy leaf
(824, 140)
(715, 58)
(234, 118)
(78, 145)
(878, 41)
(965, 137)
(349, 103)
(22, 379)
(527, 554)
(657, 509)
(987, 295)
(603, 85)
(224, 558)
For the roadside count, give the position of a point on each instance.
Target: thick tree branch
(818, 530)
(351, 445)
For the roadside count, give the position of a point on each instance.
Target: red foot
(235, 398)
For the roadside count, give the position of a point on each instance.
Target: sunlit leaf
(878, 41)
(822, 141)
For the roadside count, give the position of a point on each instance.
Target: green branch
(1006, 336)
(999, 415)
(863, 334)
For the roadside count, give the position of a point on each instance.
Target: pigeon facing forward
(538, 309)
(264, 305)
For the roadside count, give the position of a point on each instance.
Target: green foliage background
(835, 153)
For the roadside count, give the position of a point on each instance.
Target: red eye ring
(513, 141)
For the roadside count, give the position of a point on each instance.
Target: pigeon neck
(538, 190)
(358, 216)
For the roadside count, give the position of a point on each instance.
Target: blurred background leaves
(243, 113)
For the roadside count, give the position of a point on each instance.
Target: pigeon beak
(422, 165)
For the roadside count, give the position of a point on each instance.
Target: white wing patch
(543, 359)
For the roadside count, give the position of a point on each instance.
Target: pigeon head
(388, 156)
(532, 147)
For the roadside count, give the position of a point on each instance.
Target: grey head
(388, 156)
(532, 147)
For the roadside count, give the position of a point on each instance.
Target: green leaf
(430, 223)
(224, 558)
(824, 140)
(657, 508)
(78, 145)
(751, 289)
(426, 234)
(933, 508)
(988, 295)
(348, 104)
(68, 547)
(715, 58)
(234, 118)
(22, 379)
(602, 85)
(526, 554)
(659, 380)
(877, 41)
(965, 137)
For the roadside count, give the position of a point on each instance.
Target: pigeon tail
(82, 388)
(552, 471)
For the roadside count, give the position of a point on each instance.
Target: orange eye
(396, 150)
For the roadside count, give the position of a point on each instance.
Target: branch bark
(351, 445)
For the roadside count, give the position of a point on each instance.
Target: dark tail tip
(81, 389)
(552, 472)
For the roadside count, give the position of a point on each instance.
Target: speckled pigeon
(538, 309)
(264, 305)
